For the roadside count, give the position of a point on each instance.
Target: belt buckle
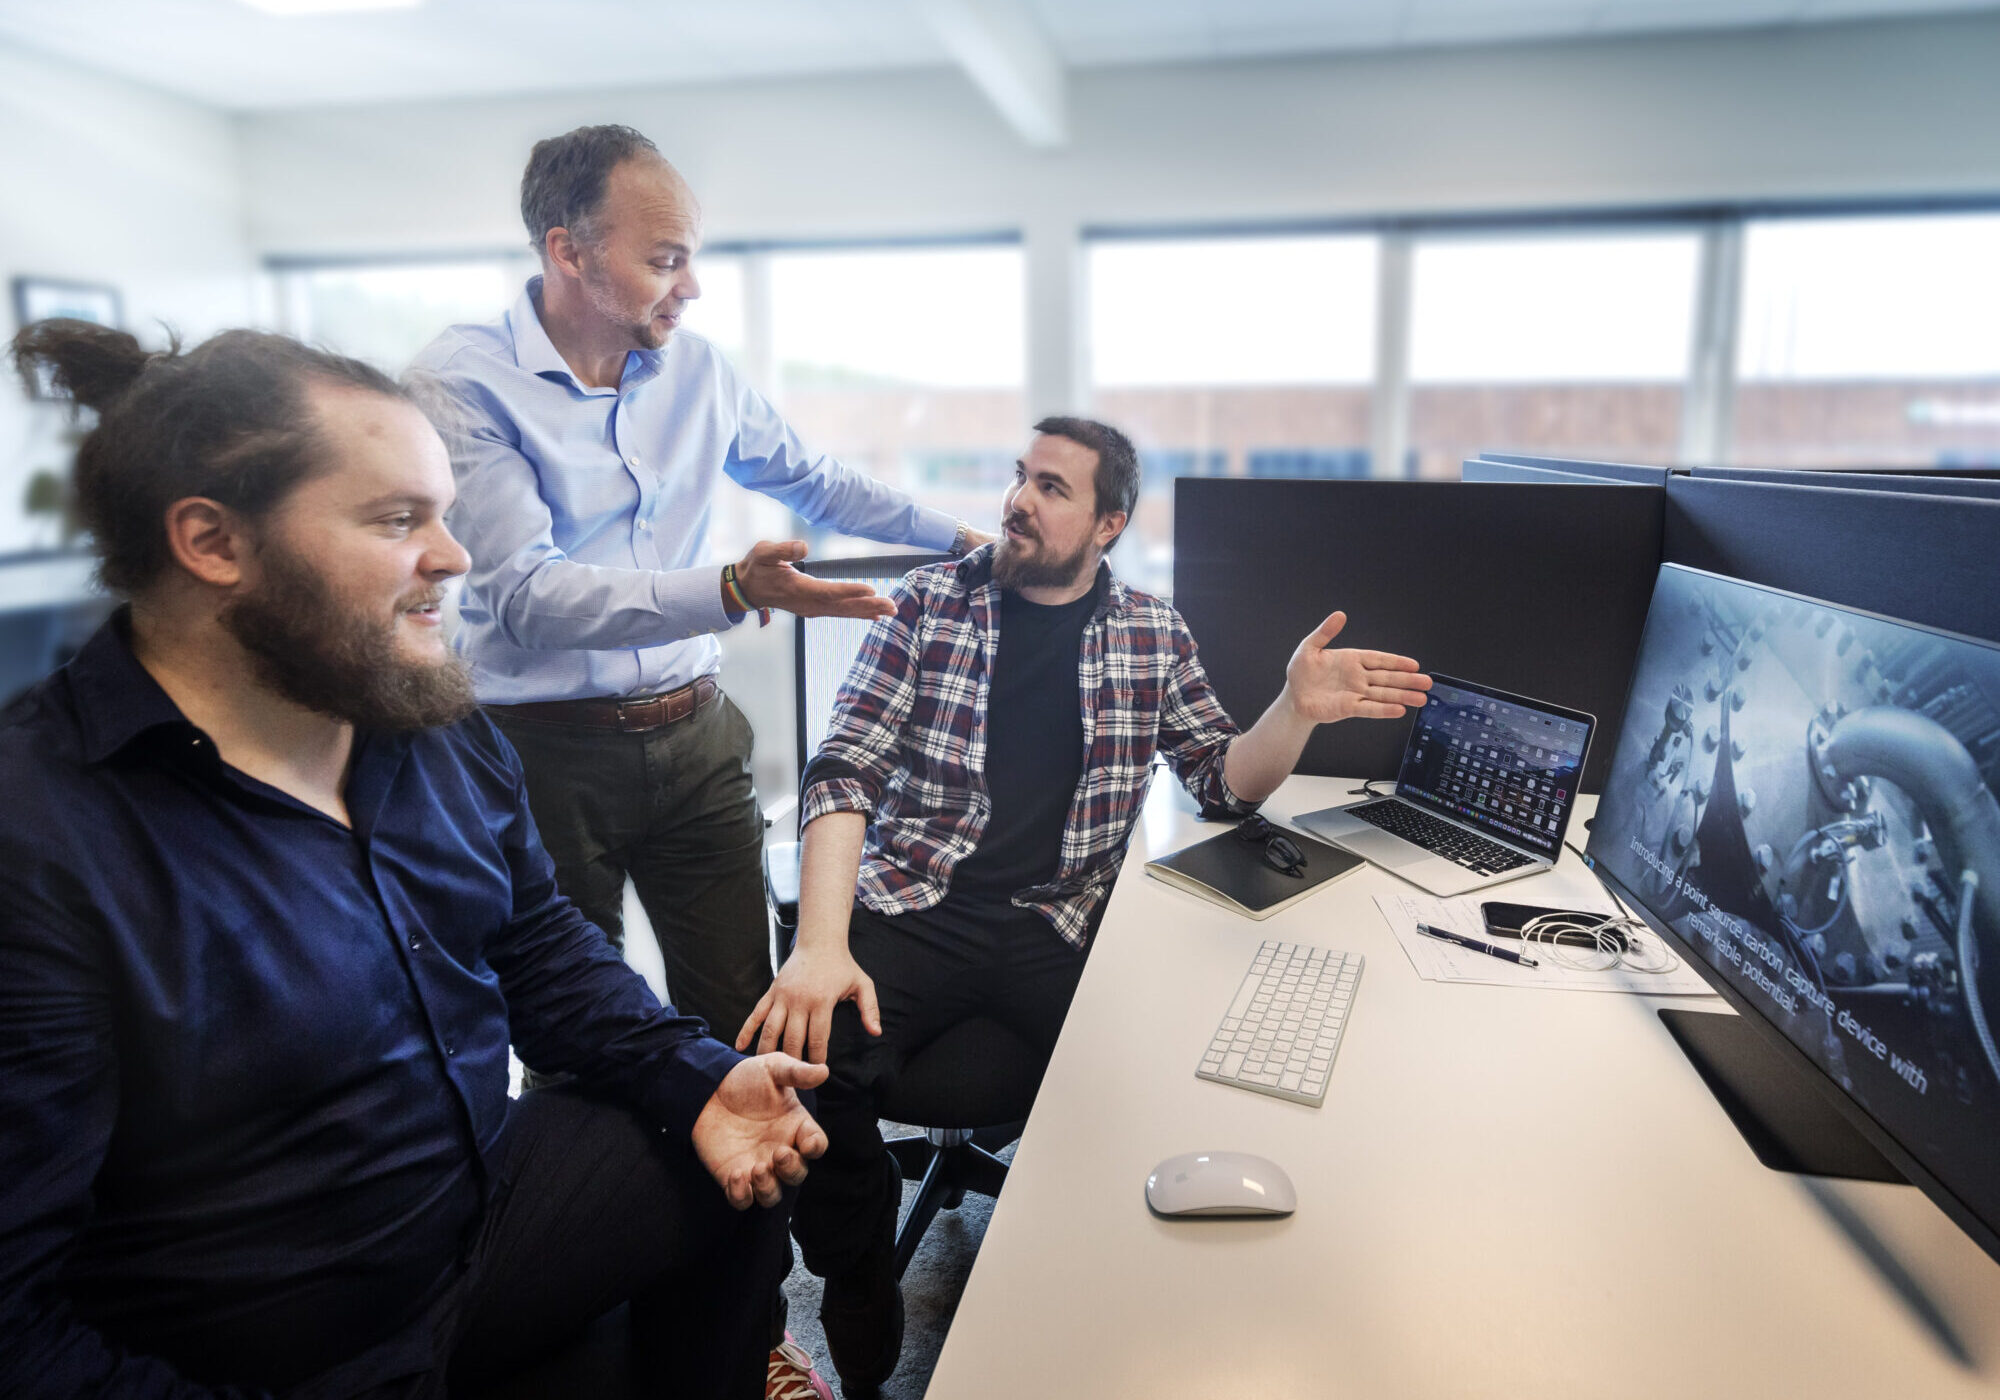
(637, 716)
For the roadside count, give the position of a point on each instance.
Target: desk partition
(1921, 558)
(1918, 484)
(1542, 592)
(1634, 472)
(1482, 469)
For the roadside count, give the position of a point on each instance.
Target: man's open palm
(754, 1135)
(1350, 683)
(768, 580)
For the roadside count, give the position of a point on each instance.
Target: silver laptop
(1484, 794)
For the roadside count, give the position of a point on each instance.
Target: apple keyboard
(1282, 1031)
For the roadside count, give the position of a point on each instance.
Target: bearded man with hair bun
(272, 910)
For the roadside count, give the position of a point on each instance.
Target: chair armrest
(781, 888)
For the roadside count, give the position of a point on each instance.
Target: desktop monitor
(1802, 801)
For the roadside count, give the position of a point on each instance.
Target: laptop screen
(1502, 763)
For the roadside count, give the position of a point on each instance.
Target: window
(1230, 357)
(719, 313)
(1568, 346)
(385, 313)
(909, 363)
(1870, 342)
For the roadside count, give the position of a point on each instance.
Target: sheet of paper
(1438, 961)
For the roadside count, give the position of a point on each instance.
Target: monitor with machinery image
(1503, 763)
(1802, 797)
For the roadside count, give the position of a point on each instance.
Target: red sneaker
(790, 1375)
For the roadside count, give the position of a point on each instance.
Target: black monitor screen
(1804, 796)
(1503, 763)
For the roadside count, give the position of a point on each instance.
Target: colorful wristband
(734, 589)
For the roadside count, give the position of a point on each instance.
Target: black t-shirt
(1034, 753)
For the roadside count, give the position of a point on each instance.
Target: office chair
(971, 1088)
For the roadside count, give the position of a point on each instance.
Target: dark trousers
(931, 971)
(594, 1208)
(674, 808)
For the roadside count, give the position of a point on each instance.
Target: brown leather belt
(632, 716)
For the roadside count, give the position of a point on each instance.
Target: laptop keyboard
(1454, 843)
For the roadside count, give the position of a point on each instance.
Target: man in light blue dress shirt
(588, 435)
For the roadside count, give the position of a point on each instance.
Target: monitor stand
(1785, 1117)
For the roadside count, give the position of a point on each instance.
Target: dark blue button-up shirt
(253, 1063)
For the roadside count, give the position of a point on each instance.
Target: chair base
(947, 1162)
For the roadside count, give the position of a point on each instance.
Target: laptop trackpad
(1380, 848)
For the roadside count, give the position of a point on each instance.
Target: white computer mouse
(1220, 1183)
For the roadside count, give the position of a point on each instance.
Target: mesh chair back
(824, 648)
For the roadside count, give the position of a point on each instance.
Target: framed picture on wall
(38, 298)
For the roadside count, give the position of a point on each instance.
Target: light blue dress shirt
(586, 509)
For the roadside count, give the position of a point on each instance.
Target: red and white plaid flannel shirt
(907, 745)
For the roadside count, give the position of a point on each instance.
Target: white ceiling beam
(1003, 50)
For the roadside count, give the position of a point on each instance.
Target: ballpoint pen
(1508, 954)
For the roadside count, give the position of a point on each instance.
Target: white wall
(103, 181)
(1870, 109)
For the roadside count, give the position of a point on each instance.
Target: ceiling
(224, 54)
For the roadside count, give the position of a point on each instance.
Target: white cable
(1643, 950)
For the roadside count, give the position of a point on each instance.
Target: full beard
(1015, 569)
(310, 649)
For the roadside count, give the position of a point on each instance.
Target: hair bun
(94, 364)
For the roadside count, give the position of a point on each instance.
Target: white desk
(1508, 1193)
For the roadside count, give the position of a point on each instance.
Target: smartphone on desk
(1507, 921)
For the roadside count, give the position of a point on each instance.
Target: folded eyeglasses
(1281, 853)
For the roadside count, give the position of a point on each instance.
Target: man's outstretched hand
(754, 1135)
(768, 580)
(1349, 683)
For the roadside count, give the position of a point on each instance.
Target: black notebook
(1232, 872)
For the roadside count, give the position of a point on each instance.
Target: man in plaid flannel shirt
(969, 811)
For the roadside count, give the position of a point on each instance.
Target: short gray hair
(563, 186)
